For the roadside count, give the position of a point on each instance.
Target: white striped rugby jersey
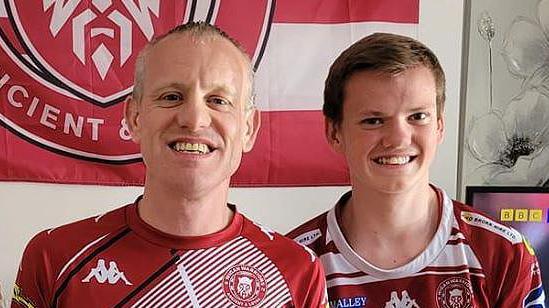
(472, 261)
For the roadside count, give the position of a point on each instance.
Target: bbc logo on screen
(524, 215)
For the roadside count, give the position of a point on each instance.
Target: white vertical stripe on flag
(292, 73)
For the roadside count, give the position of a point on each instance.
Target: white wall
(26, 208)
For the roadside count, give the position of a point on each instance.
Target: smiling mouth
(191, 148)
(394, 160)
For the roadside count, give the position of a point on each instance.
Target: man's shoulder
(478, 226)
(265, 237)
(295, 265)
(493, 243)
(310, 232)
(277, 247)
(75, 234)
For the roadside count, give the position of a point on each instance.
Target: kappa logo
(110, 275)
(404, 302)
(59, 56)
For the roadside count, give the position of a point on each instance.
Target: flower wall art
(506, 108)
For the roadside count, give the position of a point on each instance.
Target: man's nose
(397, 134)
(194, 114)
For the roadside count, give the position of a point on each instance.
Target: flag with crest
(66, 67)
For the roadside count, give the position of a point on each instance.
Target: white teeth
(198, 148)
(393, 160)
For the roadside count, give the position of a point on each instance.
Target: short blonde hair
(198, 30)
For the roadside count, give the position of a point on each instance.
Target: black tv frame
(471, 190)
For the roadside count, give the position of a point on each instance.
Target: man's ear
(333, 135)
(253, 122)
(440, 128)
(131, 115)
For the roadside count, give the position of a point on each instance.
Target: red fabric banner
(67, 65)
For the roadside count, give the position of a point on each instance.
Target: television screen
(523, 208)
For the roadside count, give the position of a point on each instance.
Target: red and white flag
(67, 65)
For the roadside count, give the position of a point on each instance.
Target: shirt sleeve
(33, 284)
(522, 286)
(312, 293)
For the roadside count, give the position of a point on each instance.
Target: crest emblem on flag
(81, 55)
(89, 47)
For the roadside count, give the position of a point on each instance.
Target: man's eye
(218, 101)
(172, 97)
(419, 116)
(372, 121)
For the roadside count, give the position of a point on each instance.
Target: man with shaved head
(180, 244)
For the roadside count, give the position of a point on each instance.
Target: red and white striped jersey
(117, 260)
(472, 261)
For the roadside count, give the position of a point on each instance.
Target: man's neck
(183, 214)
(390, 230)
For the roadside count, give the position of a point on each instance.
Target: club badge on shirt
(244, 286)
(455, 292)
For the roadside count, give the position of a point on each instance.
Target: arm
(522, 287)
(312, 293)
(318, 296)
(32, 286)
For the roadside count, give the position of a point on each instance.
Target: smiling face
(389, 132)
(193, 122)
